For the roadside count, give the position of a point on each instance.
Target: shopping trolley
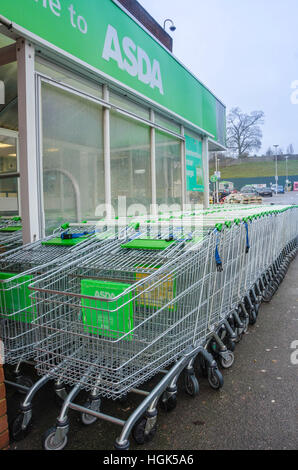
(110, 323)
(18, 268)
(10, 233)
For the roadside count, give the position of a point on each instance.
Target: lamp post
(276, 176)
(172, 28)
(287, 176)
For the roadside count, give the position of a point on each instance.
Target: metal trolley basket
(10, 233)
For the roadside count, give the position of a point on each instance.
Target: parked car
(280, 189)
(265, 192)
(223, 194)
(249, 190)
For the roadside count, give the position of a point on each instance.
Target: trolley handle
(70, 236)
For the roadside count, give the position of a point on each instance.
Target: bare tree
(290, 150)
(244, 133)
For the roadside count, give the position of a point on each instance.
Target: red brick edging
(4, 436)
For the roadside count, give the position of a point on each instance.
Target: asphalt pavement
(256, 408)
(287, 198)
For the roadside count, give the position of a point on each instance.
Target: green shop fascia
(112, 113)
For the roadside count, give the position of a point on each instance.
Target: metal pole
(183, 170)
(217, 182)
(276, 176)
(205, 157)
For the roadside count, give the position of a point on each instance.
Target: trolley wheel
(202, 367)
(236, 340)
(267, 296)
(25, 381)
(139, 432)
(227, 360)
(191, 384)
(215, 378)
(252, 317)
(49, 442)
(87, 419)
(257, 308)
(168, 403)
(16, 429)
(231, 344)
(245, 322)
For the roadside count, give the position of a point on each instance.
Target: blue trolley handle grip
(217, 256)
(247, 238)
(70, 236)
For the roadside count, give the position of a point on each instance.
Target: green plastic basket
(14, 297)
(147, 244)
(109, 319)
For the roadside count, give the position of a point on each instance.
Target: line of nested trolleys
(104, 306)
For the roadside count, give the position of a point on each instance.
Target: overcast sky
(245, 51)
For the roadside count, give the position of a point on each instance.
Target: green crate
(12, 228)
(147, 244)
(60, 242)
(105, 321)
(14, 297)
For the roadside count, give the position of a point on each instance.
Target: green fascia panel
(109, 319)
(102, 36)
(14, 297)
(147, 244)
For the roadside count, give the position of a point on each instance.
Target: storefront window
(62, 75)
(130, 161)
(168, 169)
(73, 172)
(194, 168)
(129, 105)
(167, 123)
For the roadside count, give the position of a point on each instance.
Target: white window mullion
(107, 152)
(153, 164)
(27, 141)
(183, 170)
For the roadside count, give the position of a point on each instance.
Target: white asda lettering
(104, 295)
(135, 60)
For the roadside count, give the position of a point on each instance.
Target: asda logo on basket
(104, 295)
(132, 58)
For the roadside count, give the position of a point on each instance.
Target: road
(287, 198)
(256, 409)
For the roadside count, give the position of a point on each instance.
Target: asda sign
(103, 37)
(132, 58)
